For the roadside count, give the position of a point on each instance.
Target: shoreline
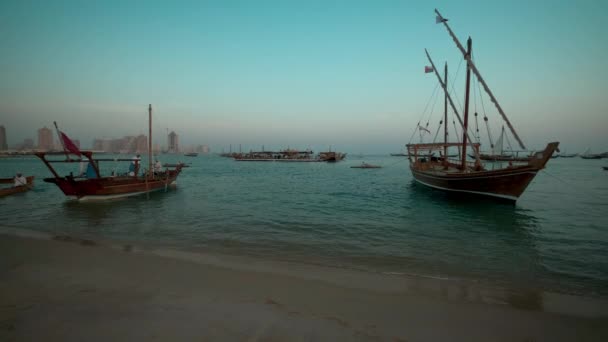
(101, 291)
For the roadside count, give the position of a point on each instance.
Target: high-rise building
(3, 144)
(45, 139)
(141, 144)
(173, 143)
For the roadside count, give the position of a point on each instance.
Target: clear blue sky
(298, 73)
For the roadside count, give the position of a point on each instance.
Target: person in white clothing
(20, 180)
(158, 167)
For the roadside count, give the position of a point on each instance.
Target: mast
(445, 89)
(149, 140)
(466, 107)
(473, 68)
(445, 114)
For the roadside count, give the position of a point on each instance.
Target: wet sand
(69, 289)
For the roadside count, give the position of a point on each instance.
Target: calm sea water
(555, 238)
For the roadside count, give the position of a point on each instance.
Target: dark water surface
(555, 238)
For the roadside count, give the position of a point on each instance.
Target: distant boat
(365, 165)
(398, 154)
(191, 154)
(332, 156)
(471, 177)
(15, 189)
(290, 155)
(571, 155)
(588, 155)
(498, 153)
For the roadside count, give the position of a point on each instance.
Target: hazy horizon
(304, 75)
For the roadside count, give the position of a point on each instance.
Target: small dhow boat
(290, 155)
(498, 153)
(191, 154)
(470, 176)
(94, 186)
(365, 165)
(6, 191)
(588, 155)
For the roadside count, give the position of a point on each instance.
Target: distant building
(173, 142)
(141, 143)
(45, 139)
(3, 144)
(202, 149)
(28, 144)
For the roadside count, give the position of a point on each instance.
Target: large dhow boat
(91, 185)
(470, 176)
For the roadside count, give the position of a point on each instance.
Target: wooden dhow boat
(471, 176)
(15, 189)
(365, 165)
(94, 186)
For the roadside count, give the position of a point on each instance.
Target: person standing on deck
(20, 180)
(158, 167)
(134, 167)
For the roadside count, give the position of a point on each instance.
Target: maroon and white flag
(428, 69)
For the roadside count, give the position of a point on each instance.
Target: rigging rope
(437, 133)
(454, 89)
(485, 116)
(423, 112)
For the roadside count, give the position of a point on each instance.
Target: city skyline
(284, 74)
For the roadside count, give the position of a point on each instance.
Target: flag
(439, 19)
(428, 69)
(68, 144)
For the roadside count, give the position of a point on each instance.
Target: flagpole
(67, 156)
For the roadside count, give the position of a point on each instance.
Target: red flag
(69, 144)
(428, 69)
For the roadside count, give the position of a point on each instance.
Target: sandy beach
(69, 289)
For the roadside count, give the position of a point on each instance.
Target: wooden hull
(506, 184)
(13, 190)
(111, 187)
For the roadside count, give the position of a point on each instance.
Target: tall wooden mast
(466, 107)
(441, 19)
(445, 114)
(445, 89)
(150, 140)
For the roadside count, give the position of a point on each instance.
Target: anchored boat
(470, 176)
(15, 189)
(92, 185)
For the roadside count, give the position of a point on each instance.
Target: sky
(349, 74)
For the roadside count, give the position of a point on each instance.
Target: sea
(555, 238)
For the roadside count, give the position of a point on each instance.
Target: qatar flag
(428, 69)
